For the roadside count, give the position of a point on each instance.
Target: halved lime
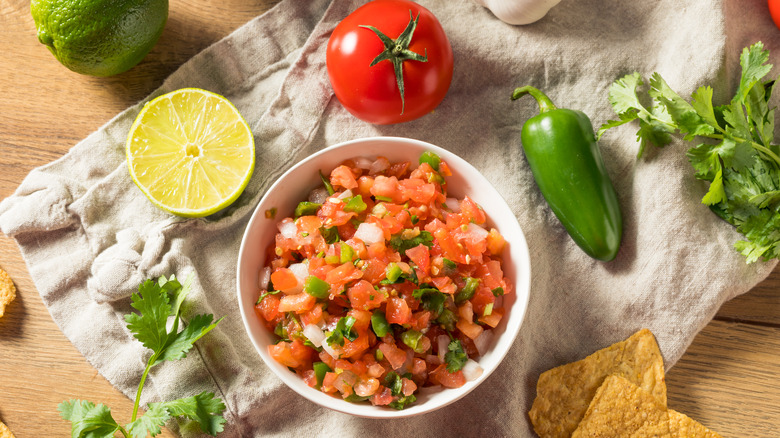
(190, 152)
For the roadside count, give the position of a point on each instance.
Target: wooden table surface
(729, 379)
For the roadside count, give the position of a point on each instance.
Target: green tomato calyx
(397, 51)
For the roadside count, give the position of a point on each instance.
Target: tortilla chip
(621, 409)
(564, 393)
(683, 426)
(5, 432)
(7, 291)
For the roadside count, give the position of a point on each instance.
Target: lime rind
(190, 163)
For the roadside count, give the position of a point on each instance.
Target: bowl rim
(504, 339)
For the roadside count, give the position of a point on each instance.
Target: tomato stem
(397, 51)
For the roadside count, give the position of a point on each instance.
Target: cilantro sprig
(156, 302)
(738, 157)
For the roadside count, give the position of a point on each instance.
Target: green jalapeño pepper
(567, 166)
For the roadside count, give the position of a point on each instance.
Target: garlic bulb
(518, 11)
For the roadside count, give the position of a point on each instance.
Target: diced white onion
(363, 162)
(476, 231)
(264, 278)
(499, 302)
(314, 334)
(318, 195)
(453, 204)
(472, 370)
(482, 342)
(379, 165)
(328, 349)
(300, 270)
(288, 229)
(345, 194)
(369, 233)
(443, 341)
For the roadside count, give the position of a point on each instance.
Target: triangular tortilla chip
(564, 393)
(5, 432)
(621, 409)
(683, 426)
(7, 291)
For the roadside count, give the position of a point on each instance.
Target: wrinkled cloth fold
(89, 236)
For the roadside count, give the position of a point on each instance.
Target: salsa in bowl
(383, 277)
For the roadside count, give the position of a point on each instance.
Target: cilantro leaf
(456, 357)
(155, 302)
(342, 330)
(753, 61)
(742, 165)
(88, 419)
(204, 408)
(150, 423)
(180, 343)
(684, 115)
(401, 244)
(148, 326)
(431, 299)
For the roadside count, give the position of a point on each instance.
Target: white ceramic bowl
(295, 185)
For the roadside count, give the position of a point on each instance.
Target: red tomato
(371, 93)
(774, 11)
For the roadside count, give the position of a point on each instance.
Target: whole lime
(99, 37)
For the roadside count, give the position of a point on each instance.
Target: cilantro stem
(757, 146)
(152, 360)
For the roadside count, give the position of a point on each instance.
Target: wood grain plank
(728, 381)
(760, 306)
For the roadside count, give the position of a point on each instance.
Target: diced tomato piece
(495, 242)
(333, 214)
(449, 247)
(421, 320)
(419, 368)
(408, 387)
(268, 308)
(328, 359)
(310, 378)
(421, 256)
(367, 387)
(284, 279)
(374, 270)
(382, 398)
(308, 224)
(282, 353)
(364, 186)
(494, 318)
(376, 370)
(398, 311)
(343, 273)
(444, 284)
(398, 170)
(328, 382)
(362, 295)
(342, 176)
(469, 328)
(447, 379)
(394, 355)
(302, 353)
(313, 315)
(298, 303)
(481, 299)
(472, 211)
(387, 187)
(417, 190)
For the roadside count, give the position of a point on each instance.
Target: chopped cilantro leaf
(398, 243)
(343, 330)
(455, 357)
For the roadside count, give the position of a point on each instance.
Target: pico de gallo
(380, 284)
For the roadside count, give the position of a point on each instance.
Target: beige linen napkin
(89, 236)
